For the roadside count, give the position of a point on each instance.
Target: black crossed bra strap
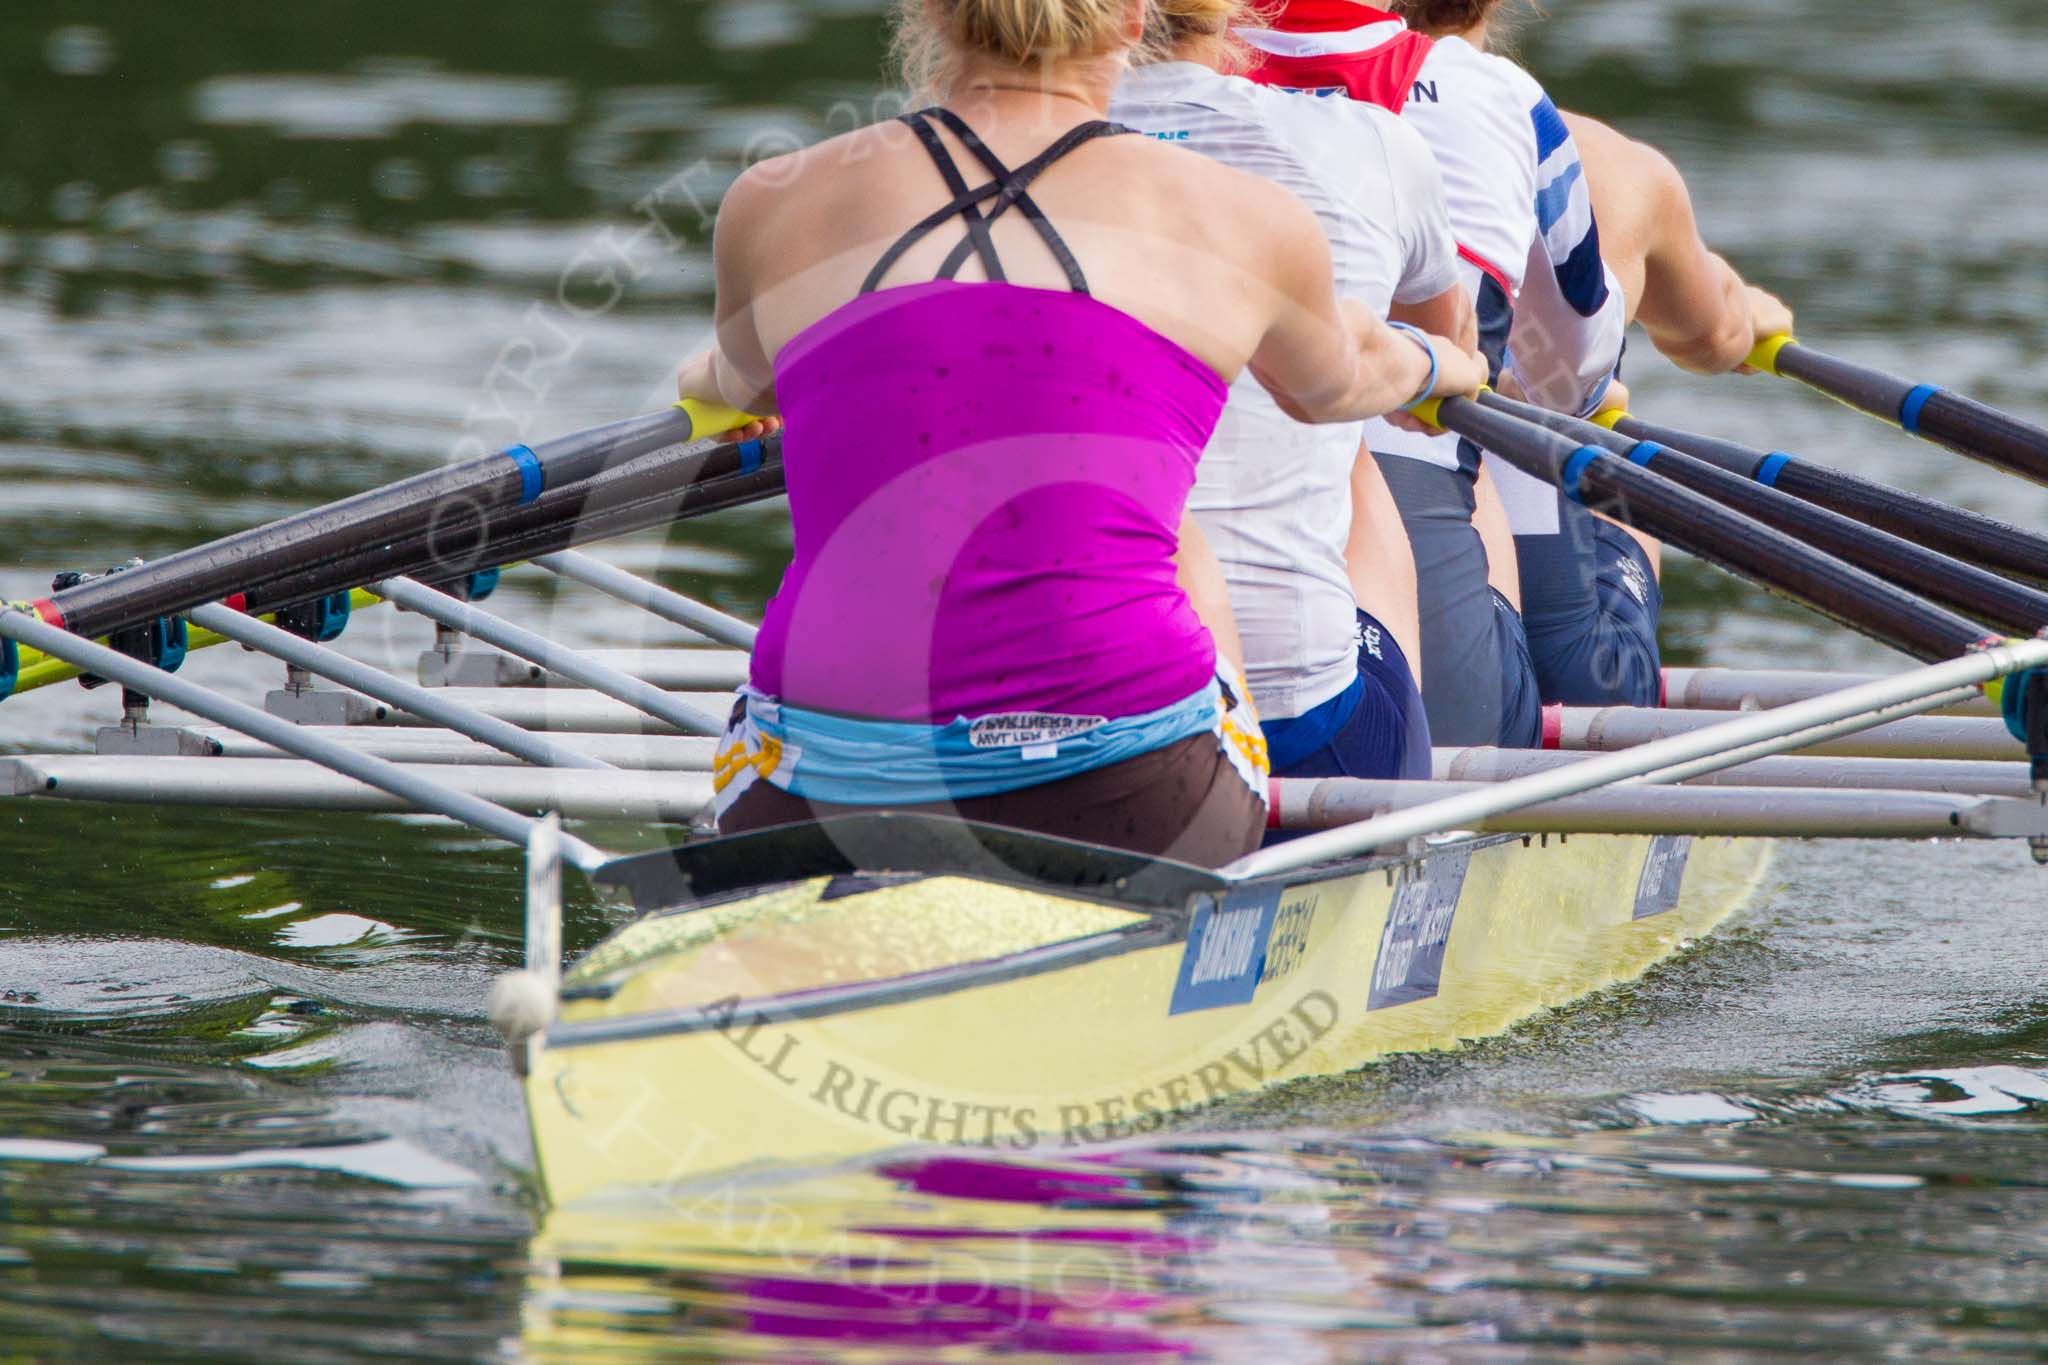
(1008, 188)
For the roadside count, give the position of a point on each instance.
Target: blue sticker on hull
(1411, 959)
(1663, 874)
(1226, 950)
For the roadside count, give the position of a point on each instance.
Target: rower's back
(999, 540)
(1000, 332)
(998, 366)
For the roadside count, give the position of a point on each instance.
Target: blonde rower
(1001, 334)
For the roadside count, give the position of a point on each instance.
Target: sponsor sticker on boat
(1411, 959)
(1226, 950)
(1287, 945)
(1663, 874)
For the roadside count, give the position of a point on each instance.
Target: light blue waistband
(881, 762)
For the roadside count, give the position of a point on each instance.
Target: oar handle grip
(1764, 356)
(709, 419)
(1430, 410)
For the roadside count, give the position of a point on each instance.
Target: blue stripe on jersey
(1551, 133)
(1496, 319)
(1582, 279)
(1554, 200)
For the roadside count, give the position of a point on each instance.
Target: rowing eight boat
(828, 992)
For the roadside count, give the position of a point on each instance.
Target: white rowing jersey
(1272, 494)
(1527, 242)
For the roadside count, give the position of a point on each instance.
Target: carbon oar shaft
(1928, 411)
(1965, 587)
(1721, 536)
(655, 491)
(451, 495)
(1956, 531)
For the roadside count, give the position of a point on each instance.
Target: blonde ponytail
(1024, 33)
(1170, 23)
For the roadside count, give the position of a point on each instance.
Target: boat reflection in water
(1127, 1253)
(1059, 1258)
(1326, 1246)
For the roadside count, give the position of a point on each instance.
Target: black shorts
(1182, 801)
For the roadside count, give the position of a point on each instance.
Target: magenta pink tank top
(986, 484)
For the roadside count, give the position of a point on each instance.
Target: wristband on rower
(1421, 338)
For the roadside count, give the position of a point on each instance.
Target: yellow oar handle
(1764, 356)
(708, 419)
(1609, 418)
(1430, 408)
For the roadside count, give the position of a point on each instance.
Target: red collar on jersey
(1327, 16)
(1383, 74)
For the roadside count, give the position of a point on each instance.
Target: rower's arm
(736, 370)
(1449, 314)
(1329, 360)
(1696, 306)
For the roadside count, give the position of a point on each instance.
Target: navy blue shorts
(1470, 633)
(1594, 643)
(1375, 728)
(1521, 706)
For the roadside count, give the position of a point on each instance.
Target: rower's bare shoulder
(817, 163)
(1609, 153)
(1596, 140)
(754, 214)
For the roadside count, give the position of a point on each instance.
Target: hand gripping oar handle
(1928, 411)
(510, 478)
(1964, 587)
(1701, 527)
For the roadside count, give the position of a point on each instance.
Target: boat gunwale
(1154, 930)
(694, 876)
(1160, 927)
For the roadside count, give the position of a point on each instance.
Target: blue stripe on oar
(1574, 467)
(1909, 411)
(1772, 465)
(532, 478)
(1642, 452)
(750, 456)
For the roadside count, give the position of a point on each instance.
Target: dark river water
(254, 258)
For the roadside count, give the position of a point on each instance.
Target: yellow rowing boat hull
(1017, 1020)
